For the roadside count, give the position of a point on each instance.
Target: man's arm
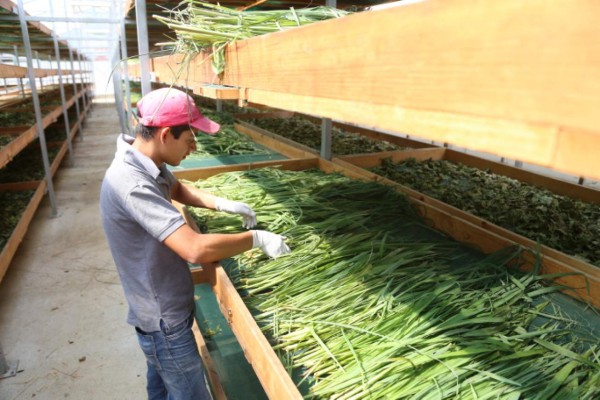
(191, 196)
(208, 248)
(200, 248)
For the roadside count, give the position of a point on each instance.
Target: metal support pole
(75, 88)
(83, 91)
(326, 126)
(219, 105)
(19, 80)
(118, 92)
(39, 64)
(124, 55)
(143, 46)
(36, 106)
(64, 100)
(7, 369)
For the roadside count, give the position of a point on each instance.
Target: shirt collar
(132, 156)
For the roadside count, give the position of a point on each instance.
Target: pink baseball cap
(172, 107)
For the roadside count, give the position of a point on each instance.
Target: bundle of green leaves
(371, 303)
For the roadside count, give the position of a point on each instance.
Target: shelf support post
(75, 94)
(36, 107)
(326, 126)
(83, 99)
(143, 46)
(63, 98)
(19, 80)
(124, 56)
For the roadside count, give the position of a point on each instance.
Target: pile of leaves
(12, 206)
(569, 225)
(5, 140)
(10, 119)
(23, 114)
(308, 133)
(27, 165)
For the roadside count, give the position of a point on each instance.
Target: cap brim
(206, 125)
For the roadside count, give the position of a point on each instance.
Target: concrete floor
(62, 309)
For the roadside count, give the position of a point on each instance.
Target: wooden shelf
(30, 133)
(13, 71)
(476, 75)
(268, 368)
(40, 187)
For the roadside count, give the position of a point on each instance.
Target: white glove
(271, 244)
(234, 207)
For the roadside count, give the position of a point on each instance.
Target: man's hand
(234, 207)
(271, 244)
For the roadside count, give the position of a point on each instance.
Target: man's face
(181, 147)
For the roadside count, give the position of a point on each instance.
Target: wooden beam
(11, 246)
(479, 75)
(374, 159)
(258, 351)
(194, 174)
(217, 92)
(211, 370)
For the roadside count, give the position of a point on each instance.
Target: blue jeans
(175, 370)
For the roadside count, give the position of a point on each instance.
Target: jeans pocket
(178, 329)
(148, 346)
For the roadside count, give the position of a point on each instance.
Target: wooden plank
(19, 186)
(270, 372)
(13, 130)
(478, 75)
(217, 92)
(271, 114)
(211, 370)
(199, 275)
(194, 174)
(20, 230)
(17, 145)
(374, 159)
(284, 146)
(12, 71)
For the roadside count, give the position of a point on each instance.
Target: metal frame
(143, 46)
(37, 108)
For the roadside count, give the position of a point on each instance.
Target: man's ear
(163, 133)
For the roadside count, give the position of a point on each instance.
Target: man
(151, 244)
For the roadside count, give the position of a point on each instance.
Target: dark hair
(147, 132)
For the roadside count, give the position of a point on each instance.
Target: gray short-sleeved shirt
(137, 215)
